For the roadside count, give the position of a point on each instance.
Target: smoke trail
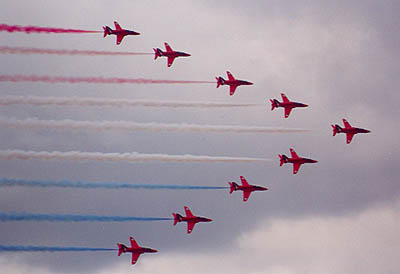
(100, 102)
(91, 185)
(34, 123)
(133, 157)
(92, 80)
(30, 248)
(34, 29)
(23, 50)
(7, 217)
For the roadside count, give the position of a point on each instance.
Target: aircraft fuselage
(236, 83)
(124, 32)
(353, 130)
(291, 105)
(251, 188)
(174, 54)
(301, 160)
(140, 250)
(195, 219)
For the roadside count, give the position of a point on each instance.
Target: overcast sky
(340, 215)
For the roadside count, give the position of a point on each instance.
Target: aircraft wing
(232, 90)
(188, 212)
(117, 26)
(135, 257)
(293, 153)
(168, 47)
(190, 226)
(284, 98)
(246, 195)
(119, 39)
(287, 112)
(346, 124)
(349, 137)
(133, 242)
(296, 167)
(230, 76)
(244, 181)
(170, 61)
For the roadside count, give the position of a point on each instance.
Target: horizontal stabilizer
(233, 187)
(283, 159)
(121, 249)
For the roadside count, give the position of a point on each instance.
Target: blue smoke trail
(20, 248)
(6, 217)
(89, 185)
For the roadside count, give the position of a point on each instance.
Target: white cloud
(365, 242)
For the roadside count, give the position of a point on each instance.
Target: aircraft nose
(154, 250)
(209, 220)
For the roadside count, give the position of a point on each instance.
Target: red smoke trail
(22, 50)
(97, 80)
(29, 29)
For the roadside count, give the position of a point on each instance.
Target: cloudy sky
(340, 215)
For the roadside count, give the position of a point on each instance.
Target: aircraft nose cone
(154, 250)
(315, 161)
(250, 83)
(209, 220)
(367, 131)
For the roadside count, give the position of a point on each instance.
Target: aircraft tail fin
(283, 159)
(107, 31)
(233, 187)
(157, 53)
(220, 81)
(121, 249)
(274, 103)
(177, 218)
(336, 129)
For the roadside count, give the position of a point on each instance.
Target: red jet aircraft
(349, 130)
(246, 188)
(231, 82)
(190, 219)
(295, 160)
(169, 53)
(286, 104)
(119, 32)
(135, 249)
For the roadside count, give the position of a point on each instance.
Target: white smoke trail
(33, 123)
(132, 157)
(101, 102)
(19, 78)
